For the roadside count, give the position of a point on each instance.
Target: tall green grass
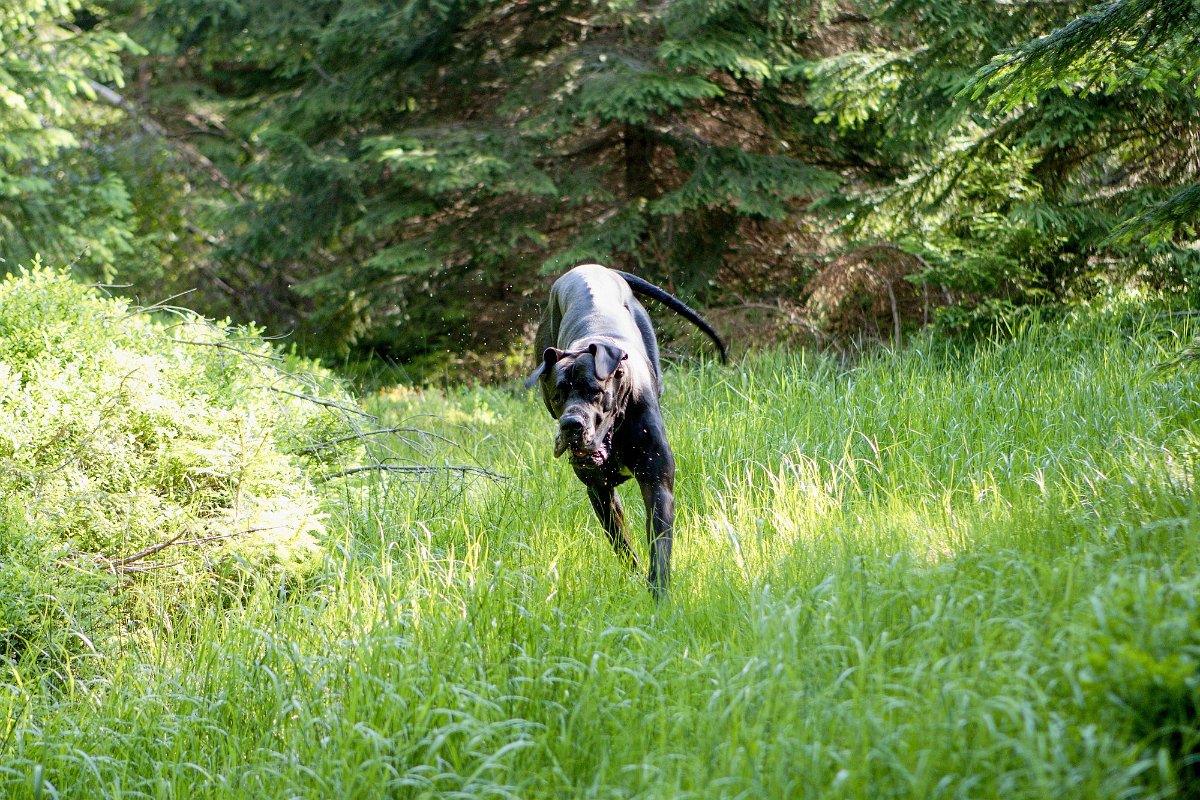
(946, 572)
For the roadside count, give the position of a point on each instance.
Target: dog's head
(587, 391)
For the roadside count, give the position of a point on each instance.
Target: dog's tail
(647, 289)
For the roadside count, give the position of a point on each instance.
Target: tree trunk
(639, 162)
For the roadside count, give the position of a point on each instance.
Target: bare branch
(328, 403)
(380, 432)
(226, 346)
(160, 305)
(116, 564)
(420, 470)
(129, 563)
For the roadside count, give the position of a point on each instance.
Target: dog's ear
(607, 357)
(550, 357)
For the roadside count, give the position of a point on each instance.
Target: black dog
(601, 380)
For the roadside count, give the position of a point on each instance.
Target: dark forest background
(404, 178)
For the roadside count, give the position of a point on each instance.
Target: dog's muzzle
(588, 447)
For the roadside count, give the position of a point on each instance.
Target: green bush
(122, 430)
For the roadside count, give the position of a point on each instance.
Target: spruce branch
(1087, 44)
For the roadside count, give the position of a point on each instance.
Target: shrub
(144, 448)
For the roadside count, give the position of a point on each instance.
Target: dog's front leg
(607, 504)
(658, 494)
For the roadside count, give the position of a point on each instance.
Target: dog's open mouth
(586, 456)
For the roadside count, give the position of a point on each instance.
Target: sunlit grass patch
(945, 572)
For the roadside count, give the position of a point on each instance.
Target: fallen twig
(226, 346)
(129, 563)
(380, 432)
(419, 470)
(116, 564)
(219, 536)
(321, 402)
(137, 569)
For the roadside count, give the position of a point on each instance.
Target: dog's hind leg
(608, 508)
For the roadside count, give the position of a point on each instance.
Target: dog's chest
(613, 472)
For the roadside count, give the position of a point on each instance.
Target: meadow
(961, 570)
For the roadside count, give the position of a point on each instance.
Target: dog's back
(592, 303)
(592, 300)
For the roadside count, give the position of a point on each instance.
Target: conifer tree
(392, 175)
(1147, 44)
(56, 196)
(1013, 199)
(450, 150)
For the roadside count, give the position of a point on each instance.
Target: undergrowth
(147, 459)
